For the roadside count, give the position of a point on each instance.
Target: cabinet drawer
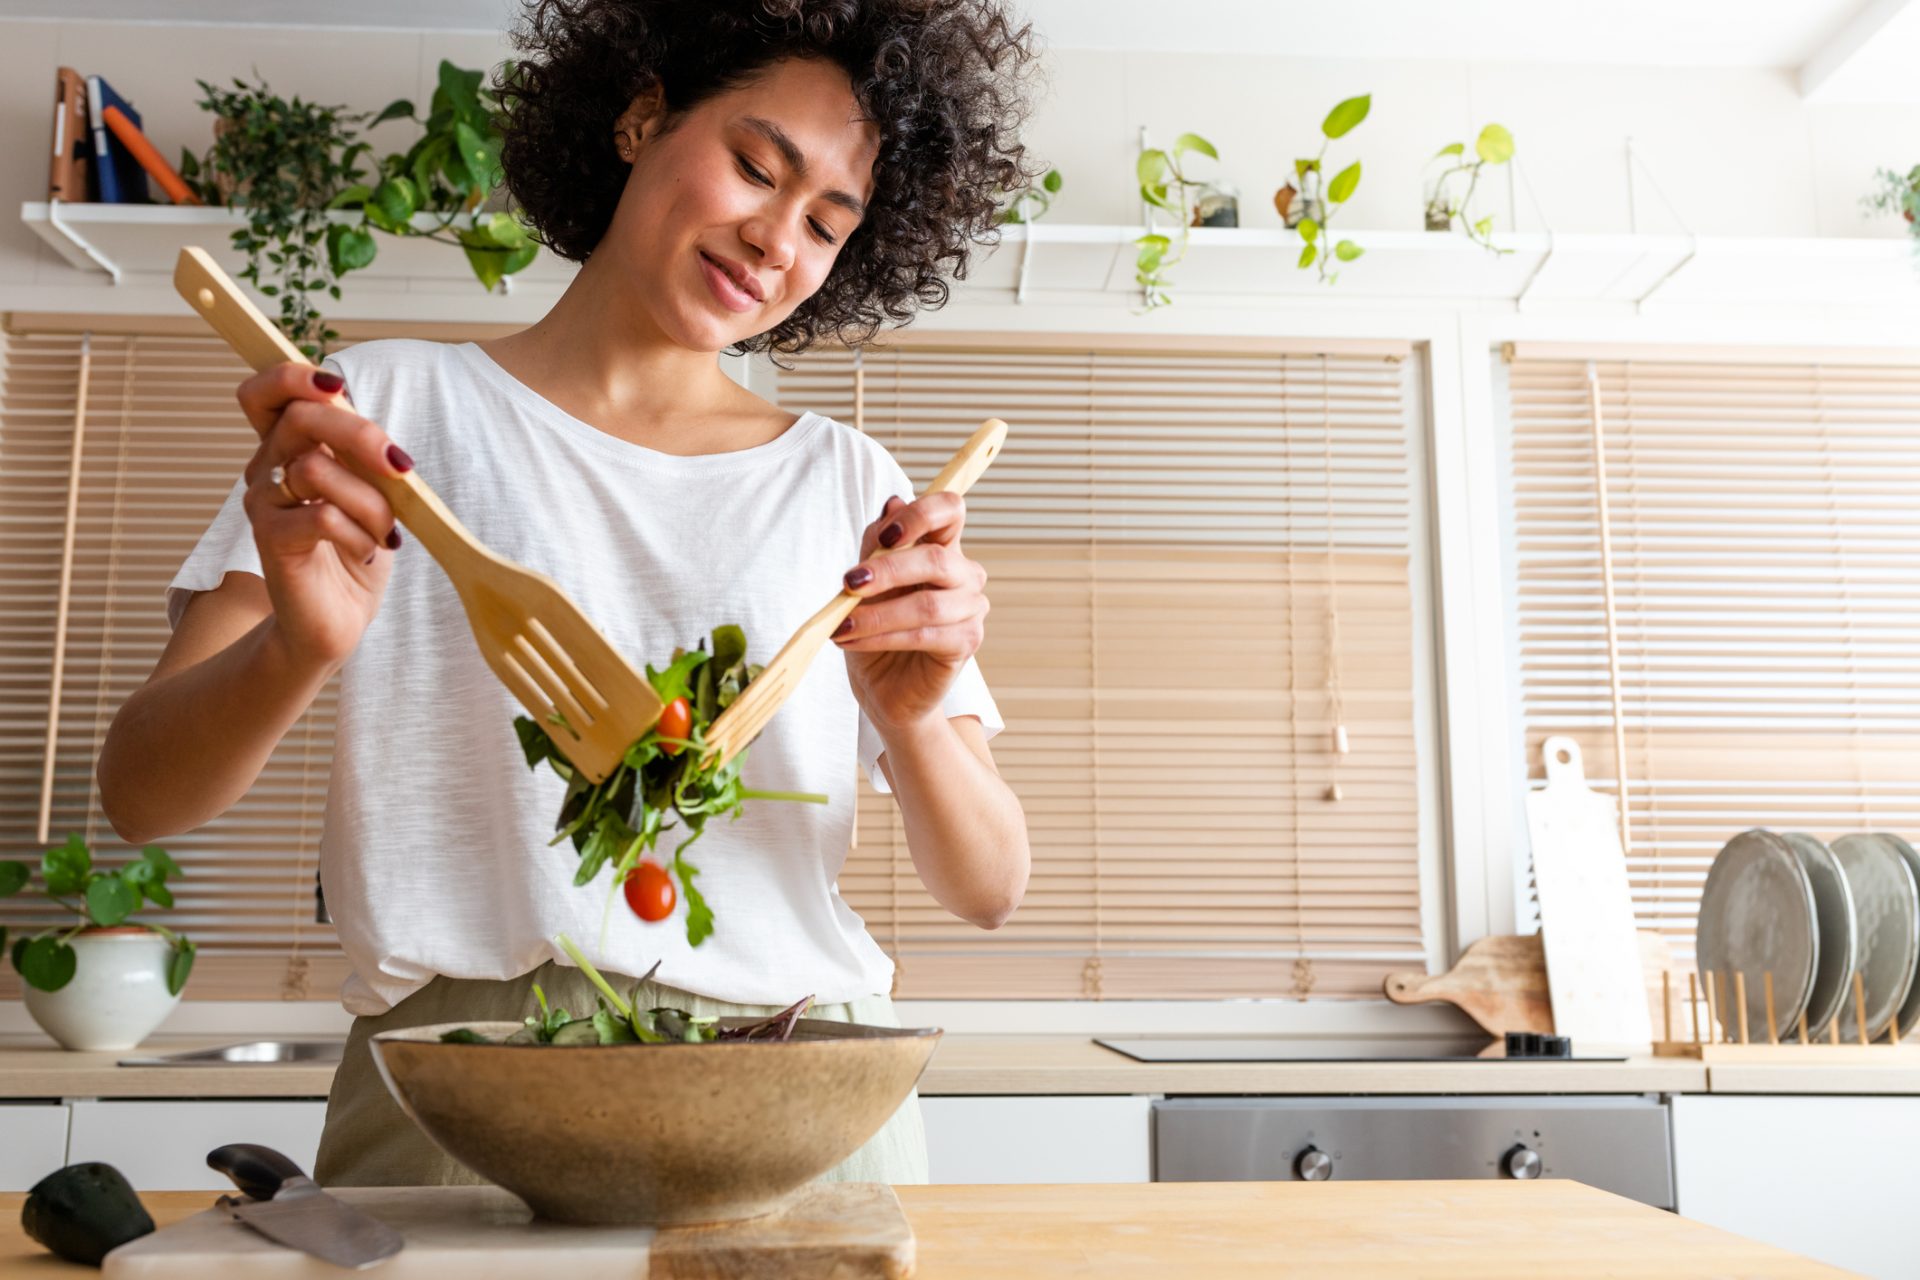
(33, 1142)
(1013, 1139)
(162, 1146)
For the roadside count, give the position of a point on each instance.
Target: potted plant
(103, 981)
(294, 167)
(1164, 184)
(1897, 193)
(1494, 146)
(1306, 206)
(1031, 203)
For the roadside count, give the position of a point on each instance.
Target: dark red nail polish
(393, 538)
(843, 628)
(328, 381)
(857, 578)
(891, 534)
(398, 457)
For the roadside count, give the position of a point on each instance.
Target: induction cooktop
(1315, 1049)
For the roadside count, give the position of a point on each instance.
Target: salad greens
(666, 775)
(619, 1020)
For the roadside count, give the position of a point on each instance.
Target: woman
(757, 175)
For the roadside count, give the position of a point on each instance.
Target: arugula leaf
(612, 1028)
(463, 1035)
(699, 915)
(672, 682)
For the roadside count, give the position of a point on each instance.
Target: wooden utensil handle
(966, 465)
(258, 341)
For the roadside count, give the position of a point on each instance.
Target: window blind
(1765, 553)
(116, 449)
(1202, 642)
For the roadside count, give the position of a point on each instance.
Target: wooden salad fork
(574, 684)
(743, 720)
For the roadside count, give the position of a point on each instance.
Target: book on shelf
(70, 177)
(148, 156)
(118, 177)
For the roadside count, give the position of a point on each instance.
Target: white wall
(1736, 149)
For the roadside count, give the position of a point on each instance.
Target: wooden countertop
(31, 1067)
(1430, 1230)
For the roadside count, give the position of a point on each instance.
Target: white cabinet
(33, 1143)
(1828, 1177)
(995, 1139)
(162, 1146)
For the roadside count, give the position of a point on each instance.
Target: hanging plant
(1030, 204)
(451, 173)
(1164, 184)
(1308, 208)
(281, 161)
(295, 167)
(1897, 193)
(1494, 146)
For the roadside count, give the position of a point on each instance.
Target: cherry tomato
(650, 892)
(675, 722)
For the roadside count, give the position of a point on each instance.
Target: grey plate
(1833, 954)
(1910, 1011)
(1757, 915)
(1886, 906)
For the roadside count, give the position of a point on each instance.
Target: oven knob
(1313, 1165)
(1522, 1162)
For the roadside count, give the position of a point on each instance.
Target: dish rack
(1776, 1045)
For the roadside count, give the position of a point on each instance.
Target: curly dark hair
(944, 82)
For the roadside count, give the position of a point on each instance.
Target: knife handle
(258, 1171)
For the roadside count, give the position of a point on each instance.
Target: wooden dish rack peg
(1717, 1043)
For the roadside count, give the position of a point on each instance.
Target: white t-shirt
(434, 853)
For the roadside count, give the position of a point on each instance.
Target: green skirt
(369, 1141)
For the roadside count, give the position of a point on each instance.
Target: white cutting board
(479, 1233)
(1594, 977)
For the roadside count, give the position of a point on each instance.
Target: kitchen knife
(288, 1209)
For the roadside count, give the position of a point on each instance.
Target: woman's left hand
(923, 610)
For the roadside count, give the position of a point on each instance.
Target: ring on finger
(279, 478)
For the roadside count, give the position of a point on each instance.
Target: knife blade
(288, 1208)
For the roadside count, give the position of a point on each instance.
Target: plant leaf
(699, 915)
(47, 964)
(1343, 183)
(1151, 168)
(13, 878)
(1347, 251)
(1451, 149)
(1309, 230)
(1194, 142)
(181, 965)
(1494, 145)
(1484, 226)
(398, 109)
(1052, 181)
(349, 249)
(1307, 255)
(110, 900)
(65, 867)
(1341, 120)
(161, 859)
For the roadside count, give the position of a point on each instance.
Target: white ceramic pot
(118, 994)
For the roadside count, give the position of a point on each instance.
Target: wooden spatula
(743, 720)
(574, 684)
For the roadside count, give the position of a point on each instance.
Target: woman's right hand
(325, 536)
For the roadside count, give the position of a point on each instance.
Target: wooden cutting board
(843, 1230)
(1501, 983)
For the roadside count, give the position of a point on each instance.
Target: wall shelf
(123, 259)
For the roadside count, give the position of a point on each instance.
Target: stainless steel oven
(1619, 1143)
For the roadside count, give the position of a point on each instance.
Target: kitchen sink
(253, 1052)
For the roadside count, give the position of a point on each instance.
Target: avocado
(83, 1211)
